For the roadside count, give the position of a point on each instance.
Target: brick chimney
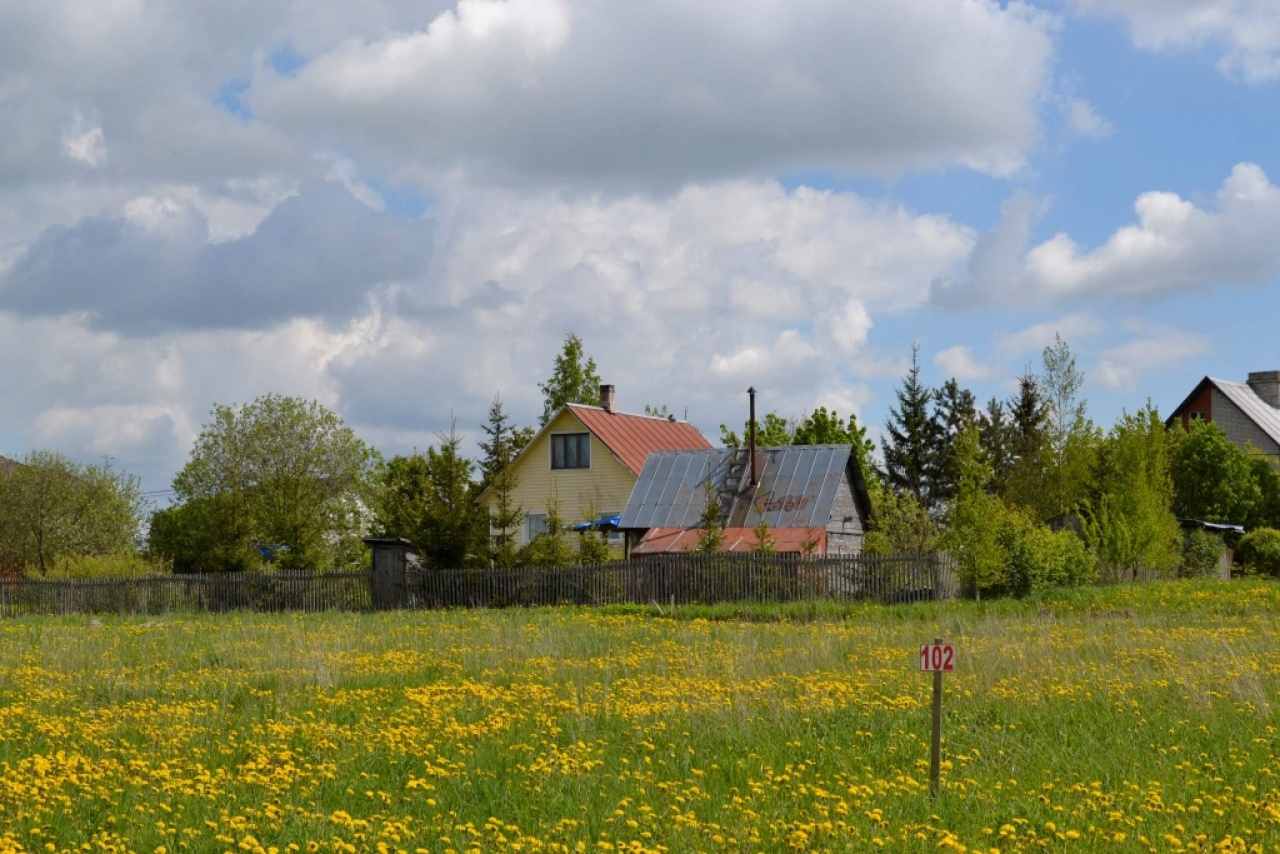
(1266, 384)
(608, 399)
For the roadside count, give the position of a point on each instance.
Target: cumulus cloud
(1176, 246)
(1246, 32)
(153, 267)
(1122, 367)
(654, 286)
(646, 94)
(959, 363)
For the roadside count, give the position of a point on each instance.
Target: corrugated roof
(633, 437)
(797, 488)
(1262, 413)
(785, 540)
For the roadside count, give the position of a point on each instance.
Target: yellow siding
(604, 487)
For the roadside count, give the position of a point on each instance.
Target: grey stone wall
(1240, 427)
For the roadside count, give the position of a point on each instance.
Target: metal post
(935, 754)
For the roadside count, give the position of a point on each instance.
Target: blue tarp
(607, 523)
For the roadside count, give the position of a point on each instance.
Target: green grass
(1126, 718)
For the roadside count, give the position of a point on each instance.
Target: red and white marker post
(937, 658)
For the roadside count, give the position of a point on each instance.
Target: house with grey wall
(1248, 412)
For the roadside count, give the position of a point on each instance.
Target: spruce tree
(457, 526)
(995, 432)
(954, 412)
(500, 449)
(572, 380)
(910, 446)
(711, 535)
(1028, 441)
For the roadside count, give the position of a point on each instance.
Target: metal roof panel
(797, 488)
(1262, 413)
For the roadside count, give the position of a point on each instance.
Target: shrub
(1259, 550)
(109, 566)
(1201, 552)
(1038, 558)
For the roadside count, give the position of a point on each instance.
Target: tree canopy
(912, 438)
(573, 379)
(53, 509)
(429, 499)
(281, 471)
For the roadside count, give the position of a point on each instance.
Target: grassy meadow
(1128, 719)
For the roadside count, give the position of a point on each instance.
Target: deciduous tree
(1213, 479)
(53, 509)
(280, 470)
(1128, 522)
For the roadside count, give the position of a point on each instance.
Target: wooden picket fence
(688, 578)
(218, 592)
(661, 579)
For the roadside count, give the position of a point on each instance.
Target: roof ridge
(663, 418)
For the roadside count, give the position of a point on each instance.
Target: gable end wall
(845, 538)
(1240, 427)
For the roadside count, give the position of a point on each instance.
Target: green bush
(1038, 558)
(132, 565)
(1259, 550)
(1201, 552)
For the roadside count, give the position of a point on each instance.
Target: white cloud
(85, 145)
(1122, 368)
(1247, 32)
(959, 363)
(660, 92)
(1034, 338)
(653, 286)
(1176, 246)
(1084, 119)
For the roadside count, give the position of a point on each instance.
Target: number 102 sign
(937, 657)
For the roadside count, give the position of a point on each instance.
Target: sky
(400, 209)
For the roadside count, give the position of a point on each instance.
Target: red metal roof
(785, 540)
(634, 437)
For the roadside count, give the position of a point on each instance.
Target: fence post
(386, 575)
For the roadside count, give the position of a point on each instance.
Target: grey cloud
(318, 254)
(656, 93)
(994, 271)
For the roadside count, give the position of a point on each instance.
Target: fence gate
(387, 581)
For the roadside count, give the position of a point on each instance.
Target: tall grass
(1128, 718)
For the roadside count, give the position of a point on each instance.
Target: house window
(571, 451)
(1196, 415)
(534, 524)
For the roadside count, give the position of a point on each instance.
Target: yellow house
(587, 459)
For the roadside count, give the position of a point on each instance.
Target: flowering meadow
(1128, 718)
